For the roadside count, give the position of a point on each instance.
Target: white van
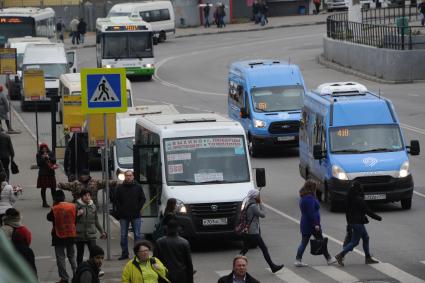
(159, 14)
(20, 43)
(122, 149)
(54, 61)
(202, 161)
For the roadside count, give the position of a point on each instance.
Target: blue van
(350, 134)
(266, 97)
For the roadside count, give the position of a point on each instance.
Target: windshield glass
(50, 70)
(361, 139)
(19, 60)
(16, 30)
(122, 45)
(215, 159)
(278, 98)
(124, 147)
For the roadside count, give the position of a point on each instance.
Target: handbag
(14, 167)
(318, 246)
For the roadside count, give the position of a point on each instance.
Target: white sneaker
(299, 263)
(332, 260)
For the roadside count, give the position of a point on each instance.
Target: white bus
(123, 42)
(19, 22)
(159, 14)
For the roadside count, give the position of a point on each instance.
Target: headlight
(259, 123)
(120, 175)
(404, 170)
(107, 66)
(180, 207)
(339, 173)
(149, 65)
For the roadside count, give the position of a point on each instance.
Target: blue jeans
(358, 232)
(304, 243)
(207, 22)
(136, 224)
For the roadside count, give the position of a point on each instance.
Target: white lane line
(419, 194)
(289, 276)
(336, 274)
(43, 257)
(423, 261)
(396, 273)
(222, 273)
(23, 123)
(413, 129)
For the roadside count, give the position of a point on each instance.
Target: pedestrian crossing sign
(103, 90)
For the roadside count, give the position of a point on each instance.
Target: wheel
(319, 195)
(406, 203)
(155, 40)
(253, 148)
(328, 199)
(148, 77)
(162, 36)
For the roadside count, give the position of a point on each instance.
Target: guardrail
(381, 36)
(389, 15)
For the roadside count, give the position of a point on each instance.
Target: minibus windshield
(367, 138)
(201, 160)
(277, 98)
(124, 149)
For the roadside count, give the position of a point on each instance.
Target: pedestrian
(76, 158)
(317, 5)
(174, 252)
(46, 162)
(221, 15)
(421, 8)
(207, 15)
(60, 28)
(254, 211)
(263, 9)
(169, 214)
(239, 272)
(143, 268)
(74, 31)
(255, 12)
(85, 181)
(8, 197)
(87, 224)
(4, 112)
(63, 215)
(310, 222)
(82, 29)
(356, 211)
(129, 201)
(88, 271)
(7, 153)
(20, 236)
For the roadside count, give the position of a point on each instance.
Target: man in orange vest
(63, 215)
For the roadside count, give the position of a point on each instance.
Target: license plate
(285, 138)
(217, 221)
(375, 197)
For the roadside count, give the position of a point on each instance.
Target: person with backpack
(310, 222)
(20, 236)
(255, 210)
(88, 271)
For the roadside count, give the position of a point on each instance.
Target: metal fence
(381, 36)
(389, 15)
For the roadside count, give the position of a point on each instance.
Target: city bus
(19, 22)
(123, 42)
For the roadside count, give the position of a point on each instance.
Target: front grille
(51, 92)
(284, 127)
(376, 183)
(214, 210)
(374, 179)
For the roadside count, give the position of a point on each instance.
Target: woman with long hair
(46, 162)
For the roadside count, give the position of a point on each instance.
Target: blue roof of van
(262, 73)
(361, 110)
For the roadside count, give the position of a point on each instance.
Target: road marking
(43, 257)
(396, 273)
(423, 261)
(289, 276)
(336, 274)
(222, 273)
(413, 129)
(419, 194)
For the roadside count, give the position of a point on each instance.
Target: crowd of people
(77, 27)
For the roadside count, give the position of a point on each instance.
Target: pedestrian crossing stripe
(336, 274)
(104, 92)
(396, 273)
(288, 275)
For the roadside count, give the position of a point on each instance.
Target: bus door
(147, 171)
(71, 57)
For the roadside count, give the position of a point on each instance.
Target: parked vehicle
(266, 97)
(350, 134)
(332, 5)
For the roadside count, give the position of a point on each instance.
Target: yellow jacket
(137, 272)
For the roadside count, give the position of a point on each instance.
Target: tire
(148, 77)
(333, 205)
(155, 40)
(253, 148)
(162, 36)
(406, 203)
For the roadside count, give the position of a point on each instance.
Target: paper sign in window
(179, 156)
(175, 169)
(208, 177)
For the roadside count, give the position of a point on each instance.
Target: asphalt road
(192, 74)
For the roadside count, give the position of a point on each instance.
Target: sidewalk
(274, 22)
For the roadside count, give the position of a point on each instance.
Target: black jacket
(229, 279)
(87, 273)
(28, 254)
(82, 27)
(43, 167)
(174, 253)
(357, 209)
(129, 200)
(6, 147)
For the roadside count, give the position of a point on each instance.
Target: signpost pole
(36, 122)
(76, 155)
(106, 162)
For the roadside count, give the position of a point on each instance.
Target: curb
(224, 31)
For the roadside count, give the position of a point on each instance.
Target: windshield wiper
(183, 182)
(347, 151)
(211, 182)
(384, 149)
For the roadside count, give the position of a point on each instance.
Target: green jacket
(87, 223)
(137, 272)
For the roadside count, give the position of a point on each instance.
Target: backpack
(242, 223)
(83, 267)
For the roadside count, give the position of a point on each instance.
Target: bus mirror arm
(317, 152)
(414, 148)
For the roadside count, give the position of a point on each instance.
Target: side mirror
(317, 152)
(74, 70)
(260, 177)
(414, 148)
(243, 113)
